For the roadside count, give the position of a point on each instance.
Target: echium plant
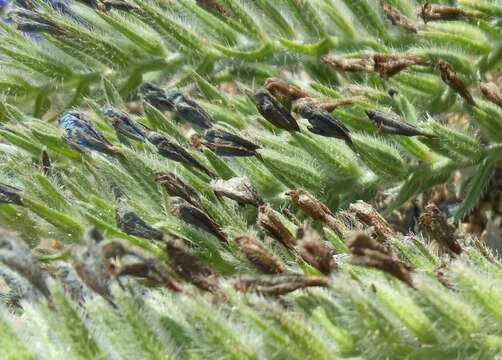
(174, 173)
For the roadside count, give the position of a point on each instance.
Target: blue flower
(124, 124)
(82, 135)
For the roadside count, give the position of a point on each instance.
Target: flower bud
(239, 189)
(273, 111)
(196, 217)
(124, 124)
(81, 134)
(224, 143)
(171, 150)
(189, 110)
(176, 187)
(130, 223)
(390, 124)
(322, 122)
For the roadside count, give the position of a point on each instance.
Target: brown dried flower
(370, 216)
(436, 226)
(451, 78)
(284, 91)
(239, 189)
(271, 222)
(316, 251)
(431, 12)
(276, 285)
(348, 64)
(492, 92)
(259, 255)
(398, 18)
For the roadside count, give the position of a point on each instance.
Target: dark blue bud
(227, 144)
(156, 97)
(81, 134)
(10, 195)
(273, 111)
(124, 124)
(189, 110)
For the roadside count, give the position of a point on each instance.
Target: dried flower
(259, 255)
(315, 209)
(15, 255)
(388, 65)
(130, 223)
(431, 12)
(492, 92)
(189, 266)
(367, 252)
(451, 78)
(398, 18)
(276, 285)
(227, 144)
(270, 221)
(391, 124)
(171, 150)
(10, 195)
(329, 104)
(284, 91)
(196, 217)
(176, 187)
(348, 64)
(322, 122)
(315, 250)
(239, 189)
(156, 97)
(436, 226)
(274, 111)
(124, 124)
(368, 215)
(81, 134)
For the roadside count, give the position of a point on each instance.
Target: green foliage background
(365, 314)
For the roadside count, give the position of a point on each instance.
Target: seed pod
(130, 223)
(316, 251)
(224, 143)
(239, 189)
(81, 134)
(399, 19)
(176, 187)
(388, 65)
(171, 150)
(492, 92)
(451, 78)
(124, 124)
(276, 285)
(273, 111)
(348, 64)
(368, 215)
(432, 12)
(270, 221)
(284, 91)
(156, 97)
(10, 195)
(436, 226)
(130, 261)
(322, 122)
(189, 266)
(196, 217)
(16, 256)
(367, 252)
(259, 255)
(391, 124)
